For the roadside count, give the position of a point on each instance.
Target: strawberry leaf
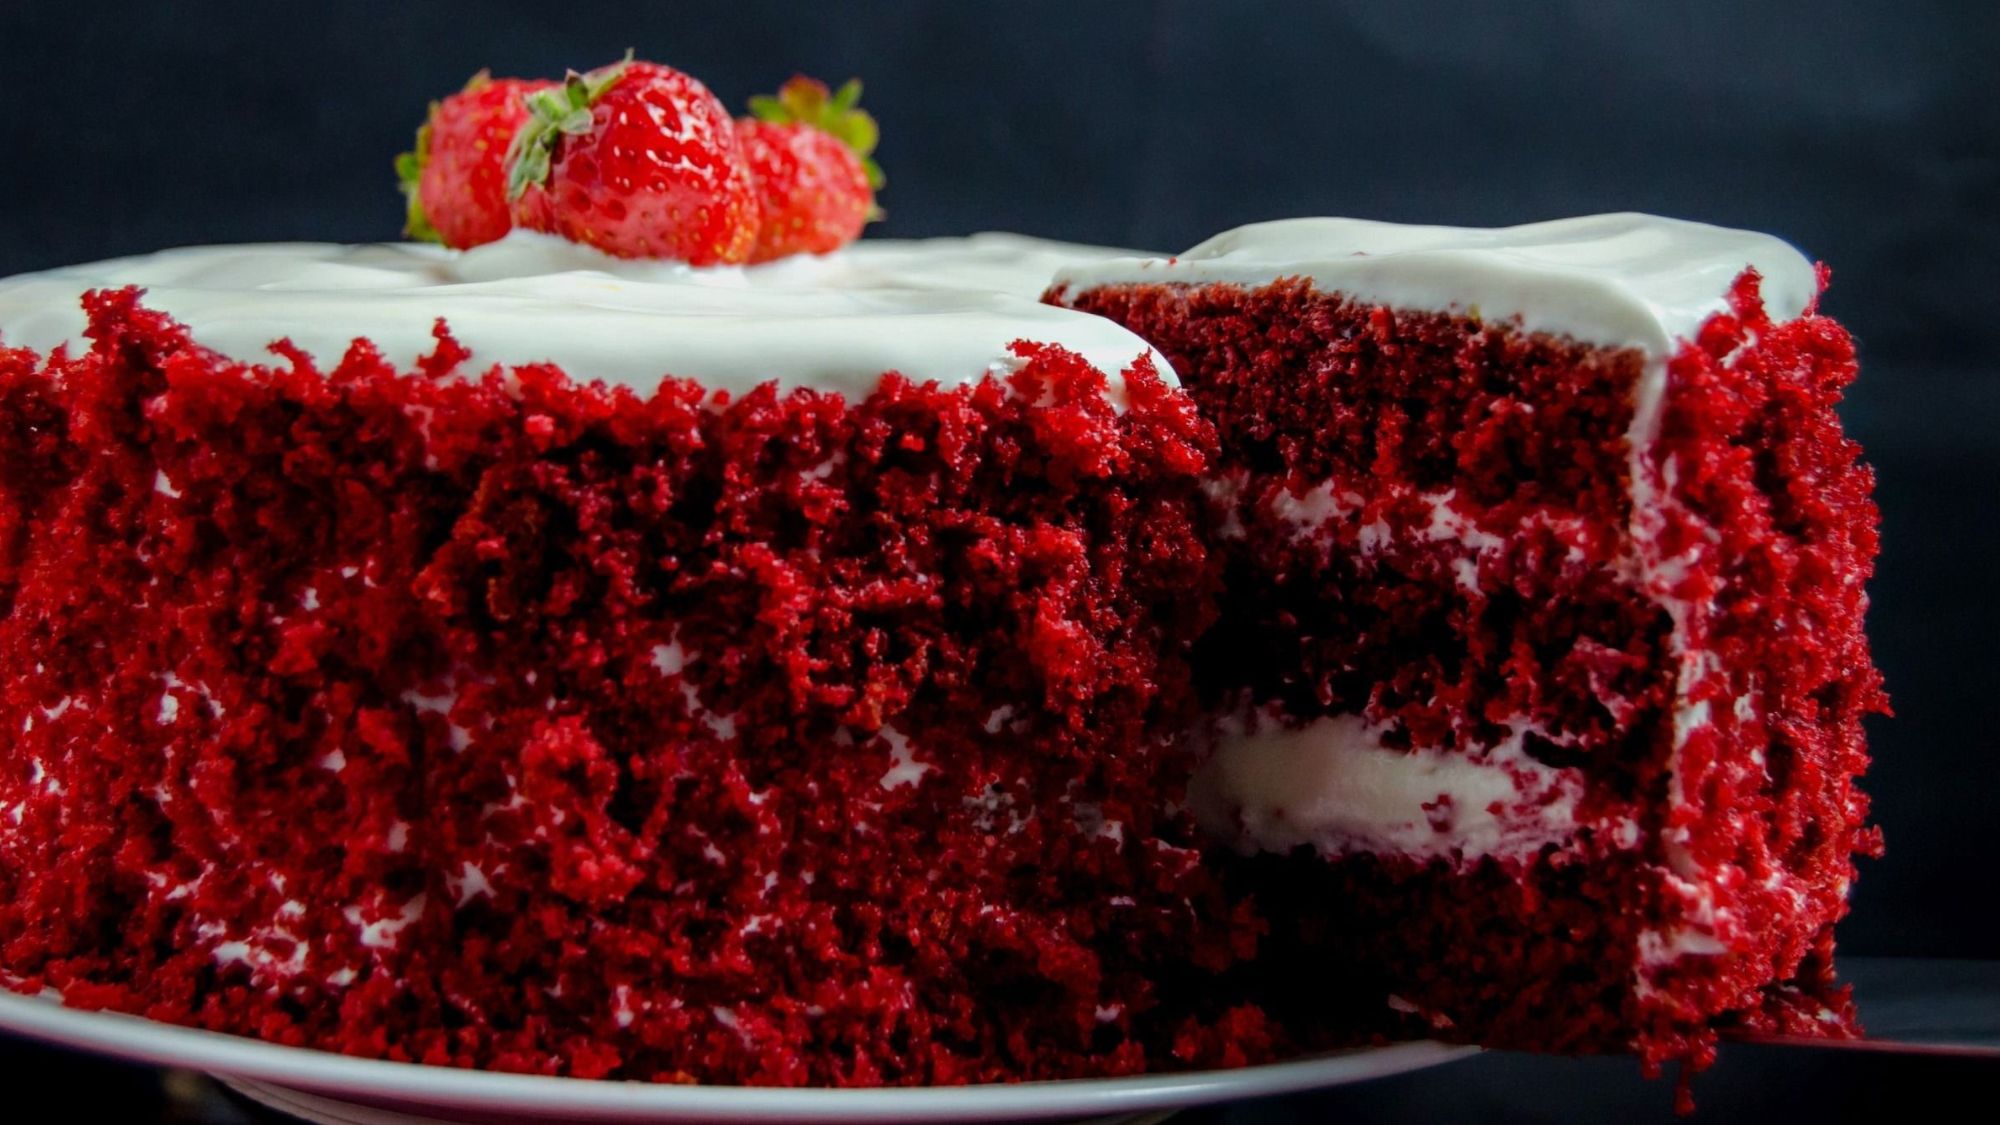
(845, 98)
(805, 97)
(552, 115)
(807, 101)
(410, 178)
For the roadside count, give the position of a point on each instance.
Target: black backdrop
(1869, 135)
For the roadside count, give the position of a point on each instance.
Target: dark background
(1867, 134)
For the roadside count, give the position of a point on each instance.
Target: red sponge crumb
(513, 722)
(1772, 491)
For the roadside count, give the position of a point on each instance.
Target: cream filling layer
(1335, 786)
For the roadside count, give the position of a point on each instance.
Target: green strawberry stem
(410, 177)
(807, 101)
(553, 115)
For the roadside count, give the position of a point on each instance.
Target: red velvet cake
(1540, 657)
(838, 672)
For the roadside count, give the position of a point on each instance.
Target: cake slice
(1538, 680)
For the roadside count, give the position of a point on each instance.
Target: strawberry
(638, 160)
(809, 151)
(456, 178)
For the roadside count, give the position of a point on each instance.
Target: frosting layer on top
(1623, 280)
(940, 309)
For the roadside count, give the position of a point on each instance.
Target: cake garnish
(810, 151)
(455, 179)
(638, 160)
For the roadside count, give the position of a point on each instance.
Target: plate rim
(138, 1039)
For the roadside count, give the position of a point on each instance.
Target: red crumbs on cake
(1766, 479)
(506, 721)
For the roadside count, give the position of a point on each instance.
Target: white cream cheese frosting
(942, 309)
(1622, 280)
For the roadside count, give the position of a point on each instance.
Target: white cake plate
(333, 1089)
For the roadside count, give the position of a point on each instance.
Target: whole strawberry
(809, 151)
(456, 178)
(638, 160)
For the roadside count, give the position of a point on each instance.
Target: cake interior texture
(1400, 671)
(1552, 714)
